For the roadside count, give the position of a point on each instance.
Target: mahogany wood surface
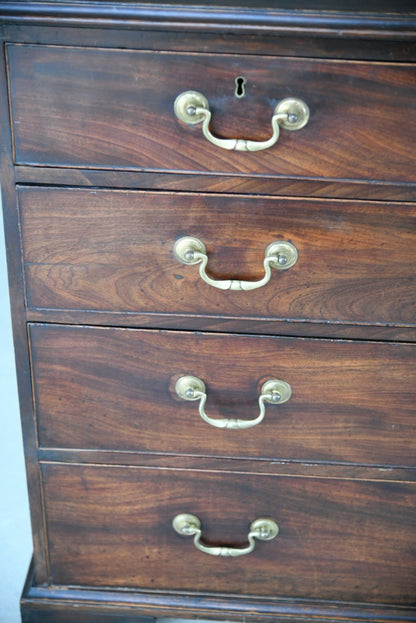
(314, 469)
(113, 251)
(98, 180)
(114, 389)
(85, 603)
(233, 325)
(18, 317)
(240, 184)
(379, 20)
(283, 42)
(111, 526)
(114, 109)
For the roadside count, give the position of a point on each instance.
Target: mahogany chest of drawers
(210, 216)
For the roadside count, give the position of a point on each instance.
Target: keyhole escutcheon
(240, 90)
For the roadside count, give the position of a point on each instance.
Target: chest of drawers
(210, 216)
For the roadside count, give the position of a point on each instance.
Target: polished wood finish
(112, 526)
(386, 19)
(105, 251)
(98, 180)
(62, 603)
(240, 184)
(340, 409)
(364, 137)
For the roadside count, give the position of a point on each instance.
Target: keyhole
(240, 86)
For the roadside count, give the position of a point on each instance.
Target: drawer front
(102, 388)
(115, 108)
(112, 526)
(114, 250)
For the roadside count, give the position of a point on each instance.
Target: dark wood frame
(384, 33)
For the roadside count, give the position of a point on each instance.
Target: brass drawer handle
(272, 391)
(191, 107)
(189, 525)
(280, 254)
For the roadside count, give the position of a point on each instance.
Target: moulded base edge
(60, 604)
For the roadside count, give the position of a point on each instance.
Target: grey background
(15, 536)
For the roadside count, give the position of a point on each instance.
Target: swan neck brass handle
(191, 107)
(280, 255)
(273, 391)
(262, 529)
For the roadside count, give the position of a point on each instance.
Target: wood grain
(114, 109)
(200, 182)
(55, 602)
(283, 42)
(113, 251)
(111, 526)
(112, 454)
(114, 389)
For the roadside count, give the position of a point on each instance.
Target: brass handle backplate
(273, 391)
(190, 525)
(280, 255)
(191, 107)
